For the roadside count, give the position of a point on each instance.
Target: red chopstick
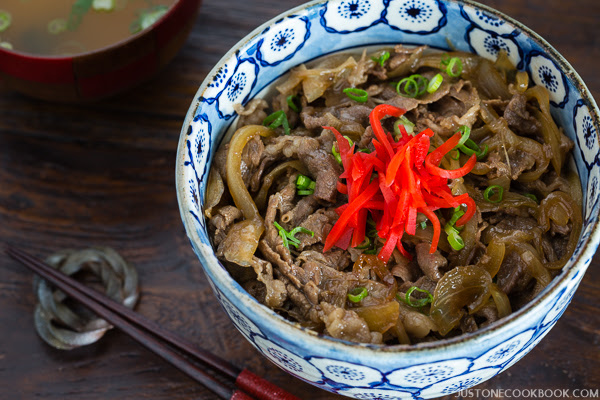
(159, 340)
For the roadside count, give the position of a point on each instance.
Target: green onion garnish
(382, 58)
(293, 102)
(465, 132)
(335, 153)
(414, 85)
(356, 94)
(532, 197)
(419, 302)
(455, 67)
(423, 224)
(491, 191)
(365, 244)
(5, 20)
(455, 240)
(6, 45)
(445, 60)
(278, 118)
(456, 216)
(103, 5)
(305, 185)
(409, 126)
(411, 88)
(290, 237)
(435, 83)
(357, 294)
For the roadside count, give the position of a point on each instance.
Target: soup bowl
(104, 72)
(318, 28)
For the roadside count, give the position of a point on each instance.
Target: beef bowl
(452, 231)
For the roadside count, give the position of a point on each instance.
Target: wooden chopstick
(151, 335)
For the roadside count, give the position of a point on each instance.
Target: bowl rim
(308, 337)
(123, 42)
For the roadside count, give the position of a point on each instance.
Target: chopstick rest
(67, 326)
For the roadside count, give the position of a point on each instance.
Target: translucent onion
(560, 207)
(549, 130)
(494, 255)
(261, 197)
(380, 318)
(522, 81)
(214, 191)
(501, 300)
(532, 260)
(244, 235)
(462, 287)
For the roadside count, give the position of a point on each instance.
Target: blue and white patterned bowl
(321, 27)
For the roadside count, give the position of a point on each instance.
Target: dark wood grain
(72, 176)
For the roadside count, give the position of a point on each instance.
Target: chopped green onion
(356, 94)
(303, 181)
(532, 197)
(5, 20)
(305, 185)
(103, 5)
(456, 216)
(370, 251)
(455, 67)
(294, 103)
(382, 58)
(411, 88)
(278, 118)
(57, 26)
(465, 132)
(422, 83)
(365, 244)
(357, 294)
(489, 193)
(336, 154)
(469, 147)
(416, 303)
(6, 45)
(455, 240)
(423, 224)
(290, 237)
(445, 60)
(409, 126)
(435, 83)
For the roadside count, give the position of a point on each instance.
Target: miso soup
(66, 27)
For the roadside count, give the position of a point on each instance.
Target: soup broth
(66, 27)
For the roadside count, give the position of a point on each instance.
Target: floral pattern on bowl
(322, 27)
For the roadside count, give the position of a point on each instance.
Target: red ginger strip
(410, 181)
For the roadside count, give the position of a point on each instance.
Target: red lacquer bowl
(105, 72)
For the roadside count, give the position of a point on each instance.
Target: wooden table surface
(104, 174)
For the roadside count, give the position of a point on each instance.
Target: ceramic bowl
(105, 72)
(320, 27)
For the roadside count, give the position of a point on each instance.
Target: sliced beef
(221, 221)
(518, 118)
(320, 163)
(346, 325)
(431, 264)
